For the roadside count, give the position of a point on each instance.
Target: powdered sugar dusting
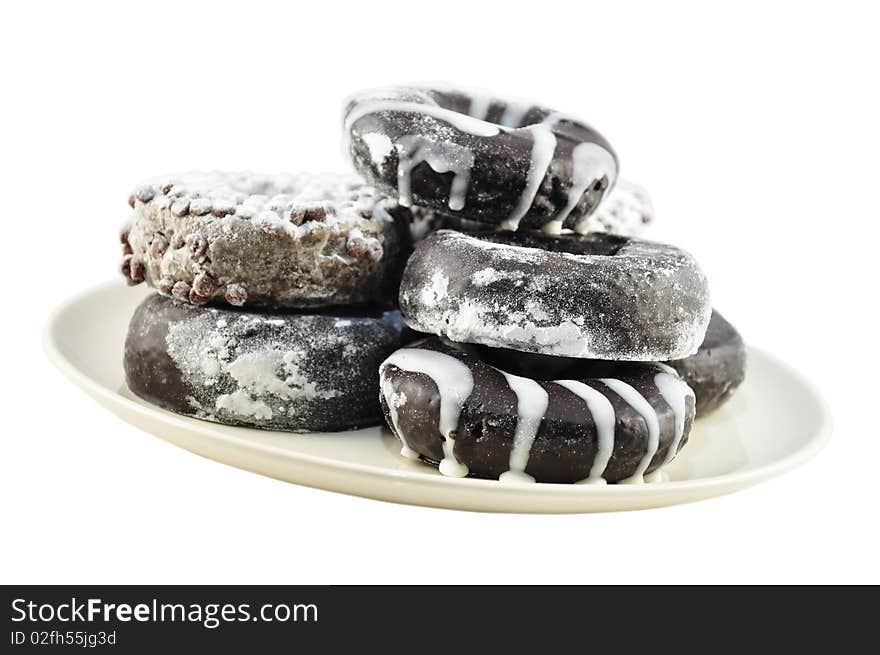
(254, 195)
(286, 240)
(241, 402)
(262, 367)
(626, 210)
(379, 145)
(474, 322)
(274, 372)
(608, 298)
(436, 291)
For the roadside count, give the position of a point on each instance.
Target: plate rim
(737, 479)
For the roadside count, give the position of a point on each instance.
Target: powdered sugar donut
(596, 296)
(718, 367)
(598, 422)
(284, 371)
(626, 210)
(283, 240)
(479, 157)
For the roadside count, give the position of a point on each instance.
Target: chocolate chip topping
(125, 267)
(133, 270)
(236, 294)
(204, 285)
(197, 299)
(306, 213)
(200, 206)
(221, 208)
(181, 290)
(123, 239)
(180, 207)
(158, 246)
(165, 285)
(136, 270)
(198, 244)
(145, 193)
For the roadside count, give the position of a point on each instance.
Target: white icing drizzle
(454, 383)
(442, 157)
(553, 227)
(479, 107)
(656, 476)
(531, 405)
(394, 401)
(543, 148)
(460, 121)
(589, 162)
(602, 411)
(514, 113)
(379, 145)
(675, 392)
(637, 401)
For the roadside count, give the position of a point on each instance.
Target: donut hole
(531, 365)
(528, 365)
(600, 244)
(505, 112)
(548, 367)
(425, 179)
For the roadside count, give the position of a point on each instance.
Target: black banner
(285, 619)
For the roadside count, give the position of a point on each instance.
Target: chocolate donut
(279, 241)
(717, 368)
(595, 296)
(626, 210)
(486, 159)
(280, 371)
(604, 422)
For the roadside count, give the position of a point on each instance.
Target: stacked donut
(272, 296)
(547, 342)
(550, 333)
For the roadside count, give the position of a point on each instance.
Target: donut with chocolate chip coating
(479, 157)
(596, 296)
(265, 240)
(465, 410)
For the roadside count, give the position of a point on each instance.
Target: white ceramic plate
(774, 422)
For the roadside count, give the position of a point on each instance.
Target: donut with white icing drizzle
(596, 296)
(480, 157)
(304, 240)
(626, 211)
(718, 367)
(273, 370)
(477, 411)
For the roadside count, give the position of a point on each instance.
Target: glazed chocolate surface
(625, 211)
(566, 443)
(280, 371)
(595, 296)
(718, 368)
(478, 157)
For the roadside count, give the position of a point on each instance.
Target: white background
(755, 129)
